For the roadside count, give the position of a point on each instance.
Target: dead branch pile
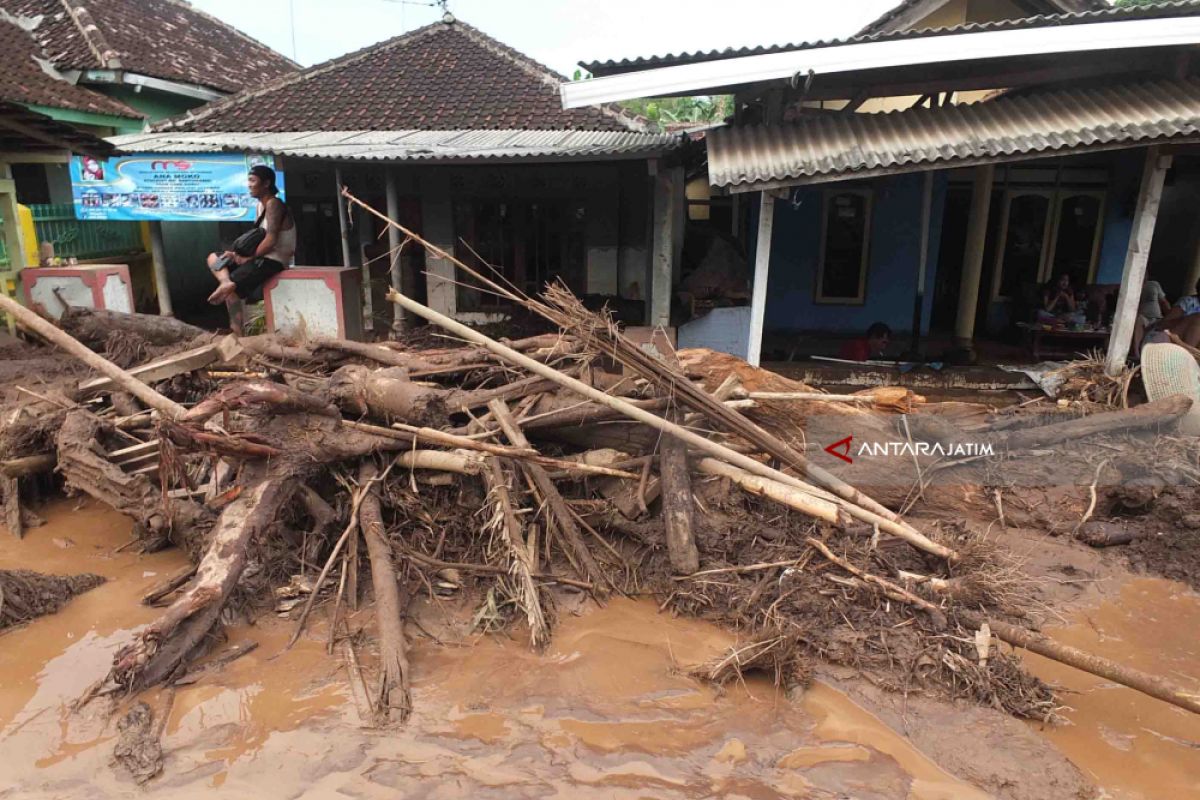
(513, 470)
(25, 595)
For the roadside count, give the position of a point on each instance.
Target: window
(842, 266)
(1046, 232)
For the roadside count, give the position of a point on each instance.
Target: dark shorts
(250, 277)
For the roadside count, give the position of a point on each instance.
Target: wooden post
(1153, 173)
(343, 220)
(158, 254)
(972, 268)
(394, 242)
(762, 268)
(364, 260)
(678, 519)
(922, 262)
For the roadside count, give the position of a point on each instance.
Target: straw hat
(1168, 369)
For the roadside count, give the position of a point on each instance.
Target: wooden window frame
(869, 207)
(1056, 197)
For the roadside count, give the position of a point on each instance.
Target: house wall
(893, 254)
(154, 104)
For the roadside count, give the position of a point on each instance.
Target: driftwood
(677, 506)
(394, 698)
(28, 465)
(163, 647)
(508, 528)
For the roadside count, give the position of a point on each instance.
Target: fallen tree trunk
(1148, 415)
(677, 506)
(162, 648)
(394, 698)
(93, 326)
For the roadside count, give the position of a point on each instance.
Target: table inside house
(1046, 342)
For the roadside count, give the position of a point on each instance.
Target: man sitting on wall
(869, 347)
(242, 276)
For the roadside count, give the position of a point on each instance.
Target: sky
(557, 33)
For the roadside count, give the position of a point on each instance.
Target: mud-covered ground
(606, 711)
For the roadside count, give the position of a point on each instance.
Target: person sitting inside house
(242, 277)
(1183, 318)
(869, 347)
(1060, 302)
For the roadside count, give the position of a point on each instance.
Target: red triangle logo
(844, 446)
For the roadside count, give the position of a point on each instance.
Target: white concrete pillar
(394, 241)
(762, 269)
(158, 254)
(1154, 171)
(667, 195)
(437, 227)
(972, 268)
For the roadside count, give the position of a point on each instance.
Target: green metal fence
(83, 238)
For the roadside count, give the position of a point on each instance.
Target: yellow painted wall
(28, 235)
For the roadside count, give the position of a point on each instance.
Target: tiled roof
(24, 79)
(166, 39)
(445, 76)
(834, 146)
(422, 146)
(22, 130)
(1100, 14)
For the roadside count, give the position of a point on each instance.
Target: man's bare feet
(222, 293)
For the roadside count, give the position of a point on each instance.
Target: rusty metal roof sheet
(411, 145)
(834, 146)
(1179, 8)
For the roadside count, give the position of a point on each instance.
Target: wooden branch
(1164, 413)
(677, 504)
(506, 524)
(395, 697)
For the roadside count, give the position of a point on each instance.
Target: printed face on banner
(179, 188)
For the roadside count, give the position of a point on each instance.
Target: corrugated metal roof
(1179, 8)
(833, 146)
(414, 145)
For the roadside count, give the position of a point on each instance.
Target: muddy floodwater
(604, 712)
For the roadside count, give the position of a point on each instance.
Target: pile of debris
(511, 471)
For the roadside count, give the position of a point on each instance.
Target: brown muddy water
(603, 713)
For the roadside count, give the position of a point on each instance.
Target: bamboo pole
(693, 440)
(772, 490)
(164, 405)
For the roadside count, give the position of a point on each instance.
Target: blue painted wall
(895, 241)
(1125, 180)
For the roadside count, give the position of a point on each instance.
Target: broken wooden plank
(222, 351)
(12, 506)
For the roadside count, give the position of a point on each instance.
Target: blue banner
(152, 186)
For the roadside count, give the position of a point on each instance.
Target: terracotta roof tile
(166, 39)
(26, 81)
(445, 76)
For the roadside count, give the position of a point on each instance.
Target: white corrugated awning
(835, 146)
(973, 46)
(414, 145)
